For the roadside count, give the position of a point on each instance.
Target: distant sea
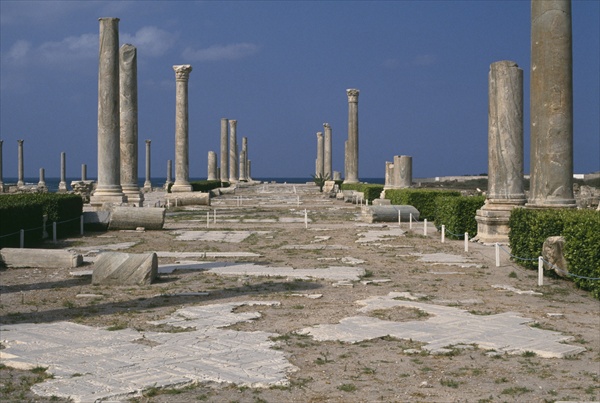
(52, 183)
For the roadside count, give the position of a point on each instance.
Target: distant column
(109, 181)
(20, 168)
(352, 149)
(182, 164)
(169, 180)
(129, 124)
(212, 166)
(402, 171)
(42, 182)
(244, 160)
(224, 174)
(62, 185)
(233, 168)
(327, 158)
(249, 165)
(319, 171)
(83, 172)
(551, 105)
(389, 176)
(148, 182)
(1, 180)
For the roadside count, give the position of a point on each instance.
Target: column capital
(319, 134)
(352, 94)
(232, 123)
(182, 72)
(20, 141)
(115, 19)
(326, 126)
(148, 141)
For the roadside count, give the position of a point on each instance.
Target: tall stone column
(352, 169)
(233, 167)
(319, 171)
(551, 105)
(83, 172)
(249, 170)
(129, 124)
(182, 163)
(62, 185)
(1, 180)
(327, 158)
(148, 182)
(109, 181)
(505, 152)
(169, 180)
(244, 160)
(20, 168)
(212, 166)
(224, 174)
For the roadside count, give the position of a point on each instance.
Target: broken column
(83, 172)
(327, 151)
(402, 171)
(129, 124)
(352, 145)
(41, 186)
(62, 185)
(389, 176)
(148, 182)
(182, 164)
(505, 152)
(233, 167)
(169, 180)
(551, 105)
(20, 168)
(212, 166)
(224, 174)
(320, 167)
(109, 181)
(244, 160)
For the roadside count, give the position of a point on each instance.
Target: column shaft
(320, 168)
(233, 167)
(327, 158)
(224, 151)
(212, 166)
(182, 163)
(352, 149)
(148, 182)
(244, 160)
(62, 185)
(20, 167)
(1, 180)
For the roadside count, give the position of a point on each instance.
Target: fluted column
(551, 105)
(233, 167)
(224, 174)
(129, 124)
(352, 148)
(109, 181)
(212, 166)
(148, 182)
(1, 180)
(327, 157)
(20, 167)
(62, 185)
(320, 154)
(244, 160)
(182, 163)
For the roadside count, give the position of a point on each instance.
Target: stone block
(42, 258)
(130, 218)
(118, 268)
(188, 199)
(389, 213)
(329, 186)
(553, 253)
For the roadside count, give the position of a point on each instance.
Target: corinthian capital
(352, 94)
(182, 72)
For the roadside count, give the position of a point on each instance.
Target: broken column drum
(352, 145)
(129, 124)
(233, 166)
(62, 185)
(148, 182)
(212, 166)
(182, 164)
(320, 168)
(109, 181)
(327, 151)
(20, 170)
(224, 174)
(551, 105)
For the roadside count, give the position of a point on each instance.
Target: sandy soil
(377, 370)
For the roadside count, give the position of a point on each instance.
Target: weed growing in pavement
(347, 387)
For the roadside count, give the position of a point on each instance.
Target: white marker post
(425, 227)
(305, 219)
(466, 241)
(497, 254)
(443, 233)
(540, 271)
(410, 221)
(207, 218)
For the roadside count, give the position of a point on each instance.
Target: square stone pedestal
(492, 223)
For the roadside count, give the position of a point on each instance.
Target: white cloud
(70, 49)
(150, 41)
(19, 50)
(221, 52)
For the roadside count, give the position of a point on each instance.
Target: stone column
(182, 163)
(129, 124)
(169, 180)
(233, 167)
(62, 185)
(42, 182)
(224, 174)
(389, 176)
(402, 171)
(352, 149)
(551, 105)
(148, 182)
(83, 172)
(1, 180)
(319, 171)
(20, 168)
(249, 170)
(244, 160)
(327, 158)
(109, 181)
(212, 166)
(505, 152)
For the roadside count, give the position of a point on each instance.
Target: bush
(370, 191)
(530, 228)
(421, 199)
(458, 214)
(207, 186)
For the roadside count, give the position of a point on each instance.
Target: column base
(181, 187)
(147, 187)
(551, 204)
(134, 197)
(493, 221)
(62, 187)
(99, 200)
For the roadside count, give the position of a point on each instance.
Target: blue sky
(281, 69)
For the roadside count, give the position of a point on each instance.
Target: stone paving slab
(337, 273)
(379, 235)
(115, 364)
(215, 236)
(506, 332)
(206, 254)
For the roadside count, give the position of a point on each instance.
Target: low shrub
(370, 191)
(421, 199)
(458, 214)
(580, 228)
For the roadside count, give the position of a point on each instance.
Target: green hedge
(371, 191)
(26, 211)
(580, 228)
(207, 186)
(421, 199)
(458, 214)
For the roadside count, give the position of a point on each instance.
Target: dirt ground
(378, 370)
